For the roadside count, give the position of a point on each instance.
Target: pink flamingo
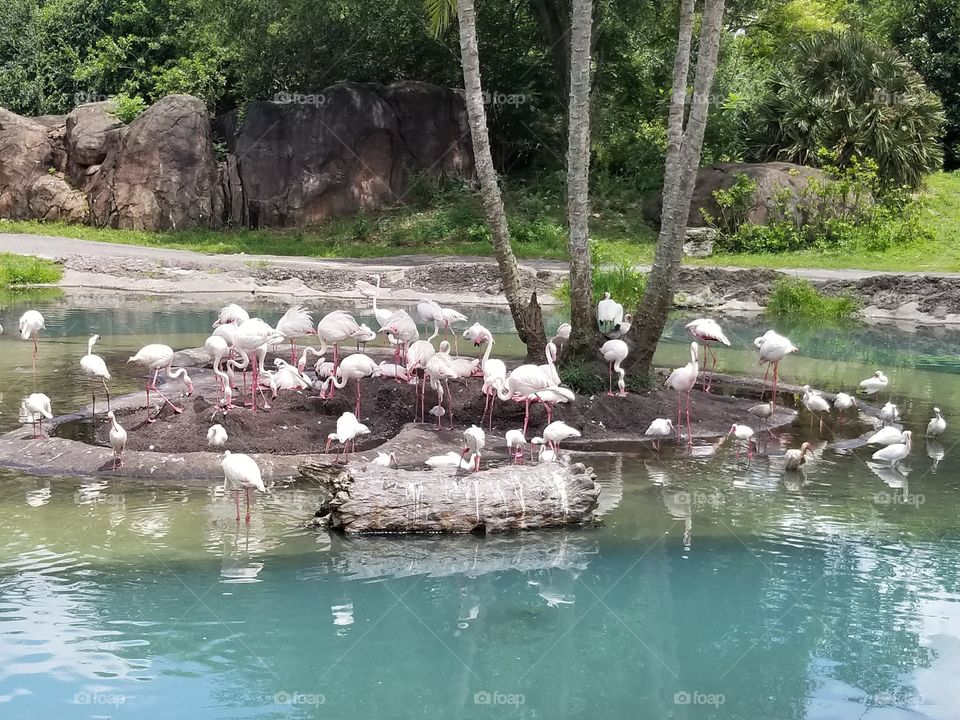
(418, 355)
(354, 367)
(707, 331)
(773, 348)
(683, 380)
(160, 357)
(494, 371)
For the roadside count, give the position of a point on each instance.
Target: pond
(715, 588)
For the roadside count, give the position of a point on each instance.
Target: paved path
(49, 246)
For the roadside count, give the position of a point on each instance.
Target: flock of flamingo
(239, 343)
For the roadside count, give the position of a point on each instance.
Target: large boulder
(25, 155)
(772, 179)
(159, 173)
(87, 127)
(352, 147)
(53, 198)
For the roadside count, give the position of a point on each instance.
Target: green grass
(18, 270)
(797, 298)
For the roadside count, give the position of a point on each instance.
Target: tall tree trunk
(583, 335)
(684, 145)
(526, 317)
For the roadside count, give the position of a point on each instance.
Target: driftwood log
(372, 499)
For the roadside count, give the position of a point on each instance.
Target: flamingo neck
(90, 343)
(486, 353)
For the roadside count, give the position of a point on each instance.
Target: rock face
(87, 127)
(771, 178)
(25, 156)
(53, 198)
(159, 172)
(354, 147)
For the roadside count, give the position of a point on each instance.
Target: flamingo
(231, 314)
(382, 315)
(158, 357)
(609, 314)
(742, 433)
(475, 440)
(763, 412)
(889, 413)
(253, 337)
(562, 335)
(895, 453)
(683, 380)
(794, 458)
(36, 407)
(886, 436)
(621, 329)
(348, 430)
(440, 369)
(815, 403)
(118, 439)
(843, 402)
(334, 328)
(550, 367)
(364, 335)
(241, 472)
(403, 329)
(392, 370)
(494, 371)
(660, 428)
(615, 352)
(707, 331)
(451, 316)
(937, 424)
(295, 323)
(418, 355)
(387, 460)
(95, 368)
(544, 454)
(556, 432)
(874, 384)
(287, 377)
(552, 395)
(354, 367)
(516, 444)
(430, 312)
(523, 384)
(772, 349)
(218, 348)
(31, 323)
(217, 436)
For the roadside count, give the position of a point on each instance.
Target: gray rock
(25, 156)
(699, 242)
(53, 198)
(86, 137)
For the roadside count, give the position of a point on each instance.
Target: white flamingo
(522, 385)
(403, 329)
(937, 425)
(348, 430)
(287, 377)
(615, 352)
(707, 331)
(382, 315)
(253, 337)
(418, 355)
(95, 368)
(895, 453)
(231, 314)
(218, 349)
(159, 357)
(217, 436)
(494, 371)
(430, 312)
(35, 407)
(659, 429)
(441, 371)
(609, 313)
(31, 323)
(118, 439)
(354, 367)
(556, 432)
(295, 323)
(364, 335)
(772, 348)
(475, 439)
(550, 367)
(241, 472)
(683, 380)
(333, 329)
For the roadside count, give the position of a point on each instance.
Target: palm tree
(527, 316)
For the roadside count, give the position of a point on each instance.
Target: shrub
(127, 108)
(798, 298)
(618, 277)
(584, 377)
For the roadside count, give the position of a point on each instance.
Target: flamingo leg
(356, 404)
(247, 492)
(610, 379)
(526, 415)
(34, 358)
(679, 424)
(713, 365)
(256, 384)
(776, 374)
(549, 408)
(237, 498)
(689, 431)
(449, 398)
(763, 387)
(493, 400)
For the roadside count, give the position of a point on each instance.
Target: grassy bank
(17, 270)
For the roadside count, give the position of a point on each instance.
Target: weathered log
(372, 499)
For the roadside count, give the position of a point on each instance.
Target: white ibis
(843, 402)
(815, 404)
(763, 412)
(889, 413)
(742, 433)
(937, 424)
(794, 458)
(95, 368)
(387, 460)
(118, 439)
(895, 453)
(241, 472)
(35, 407)
(874, 384)
(886, 436)
(217, 436)
(659, 429)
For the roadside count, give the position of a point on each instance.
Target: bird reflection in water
(934, 452)
(236, 565)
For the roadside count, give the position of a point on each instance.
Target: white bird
(889, 413)
(440, 370)
(393, 370)
(896, 452)
(742, 433)
(544, 454)
(794, 458)
(354, 367)
(815, 403)
(450, 459)
(763, 412)
(364, 335)
(874, 384)
(402, 328)
(556, 432)
(217, 436)
(475, 439)
(843, 402)
(118, 439)
(241, 472)
(772, 348)
(609, 313)
(231, 314)
(615, 352)
(418, 354)
(516, 444)
(937, 424)
(158, 357)
(288, 377)
(381, 314)
(95, 368)
(387, 460)
(430, 312)
(550, 396)
(683, 380)
(451, 316)
(466, 367)
(659, 429)
(295, 323)
(562, 336)
(218, 348)
(333, 329)
(886, 436)
(707, 331)
(348, 430)
(31, 323)
(35, 407)
(494, 371)
(523, 384)
(621, 329)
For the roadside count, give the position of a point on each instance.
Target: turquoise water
(715, 588)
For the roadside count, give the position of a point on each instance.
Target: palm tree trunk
(684, 145)
(583, 334)
(526, 317)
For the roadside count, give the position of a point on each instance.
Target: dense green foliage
(27, 270)
(798, 298)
